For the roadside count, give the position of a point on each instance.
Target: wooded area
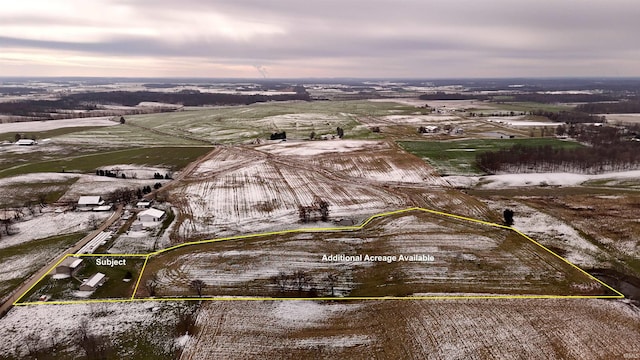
(609, 150)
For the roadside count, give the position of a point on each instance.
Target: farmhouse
(69, 266)
(26, 142)
(89, 202)
(150, 215)
(92, 283)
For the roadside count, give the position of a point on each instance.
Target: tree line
(631, 106)
(569, 117)
(89, 101)
(608, 150)
(592, 160)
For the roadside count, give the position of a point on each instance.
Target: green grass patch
(458, 157)
(174, 158)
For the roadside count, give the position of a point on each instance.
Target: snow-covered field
(384, 167)
(497, 329)
(467, 258)
(30, 126)
(133, 242)
(38, 326)
(419, 119)
(266, 195)
(36, 178)
(132, 171)
(520, 121)
(271, 329)
(622, 118)
(312, 148)
(550, 231)
(102, 185)
(535, 179)
(51, 224)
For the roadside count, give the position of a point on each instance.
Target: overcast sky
(321, 38)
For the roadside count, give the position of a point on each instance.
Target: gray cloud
(372, 38)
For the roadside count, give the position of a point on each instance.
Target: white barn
(89, 202)
(150, 215)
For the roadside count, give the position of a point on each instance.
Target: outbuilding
(26, 142)
(89, 202)
(143, 204)
(69, 266)
(92, 283)
(150, 215)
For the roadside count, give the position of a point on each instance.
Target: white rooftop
(152, 212)
(25, 142)
(71, 262)
(94, 280)
(89, 200)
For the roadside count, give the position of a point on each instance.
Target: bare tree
(93, 222)
(152, 285)
(94, 346)
(300, 280)
(198, 285)
(281, 280)
(331, 280)
(42, 198)
(186, 315)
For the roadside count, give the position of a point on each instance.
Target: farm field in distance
(244, 205)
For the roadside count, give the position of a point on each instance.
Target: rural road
(6, 306)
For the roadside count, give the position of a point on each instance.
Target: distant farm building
(26, 142)
(69, 266)
(150, 215)
(103, 208)
(92, 283)
(144, 204)
(89, 202)
(429, 129)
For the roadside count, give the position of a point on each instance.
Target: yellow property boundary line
(329, 229)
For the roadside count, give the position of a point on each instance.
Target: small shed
(92, 283)
(150, 215)
(69, 266)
